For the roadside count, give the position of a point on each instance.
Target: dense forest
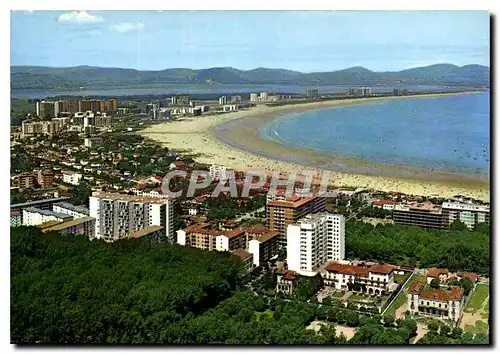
(403, 245)
(66, 289)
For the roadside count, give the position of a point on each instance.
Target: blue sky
(304, 41)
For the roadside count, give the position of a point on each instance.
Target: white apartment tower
(222, 100)
(314, 240)
(254, 97)
(118, 215)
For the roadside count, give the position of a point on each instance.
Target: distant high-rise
(254, 97)
(112, 105)
(47, 109)
(222, 100)
(263, 97)
(313, 92)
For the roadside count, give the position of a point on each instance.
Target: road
(247, 215)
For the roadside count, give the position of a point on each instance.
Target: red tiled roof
(160, 178)
(197, 227)
(436, 272)
(384, 202)
(257, 229)
(381, 269)
(289, 275)
(140, 186)
(15, 212)
(471, 276)
(416, 287)
(437, 294)
(267, 235)
(233, 233)
(347, 269)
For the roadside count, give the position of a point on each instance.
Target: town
(79, 167)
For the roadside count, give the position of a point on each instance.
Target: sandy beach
(232, 140)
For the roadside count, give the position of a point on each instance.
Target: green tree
(467, 285)
(433, 326)
(458, 225)
(481, 338)
(456, 333)
(434, 283)
(467, 338)
(388, 320)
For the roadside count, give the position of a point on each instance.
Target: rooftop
(76, 208)
(381, 269)
(347, 269)
(455, 293)
(436, 272)
(293, 202)
(416, 287)
(144, 232)
(48, 213)
(241, 253)
(58, 226)
(130, 198)
(267, 236)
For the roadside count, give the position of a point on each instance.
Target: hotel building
(314, 240)
(263, 246)
(281, 213)
(468, 213)
(118, 215)
(425, 214)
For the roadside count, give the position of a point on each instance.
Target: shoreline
(233, 140)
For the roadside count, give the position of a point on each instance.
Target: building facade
(34, 216)
(376, 280)
(81, 226)
(447, 304)
(70, 209)
(118, 215)
(314, 240)
(426, 215)
(263, 246)
(468, 213)
(281, 213)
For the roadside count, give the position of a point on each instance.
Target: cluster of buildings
(54, 109)
(38, 178)
(360, 91)
(268, 97)
(430, 215)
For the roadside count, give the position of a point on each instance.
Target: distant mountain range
(40, 77)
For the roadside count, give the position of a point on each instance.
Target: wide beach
(233, 140)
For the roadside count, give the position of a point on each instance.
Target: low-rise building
(285, 283)
(263, 246)
(424, 301)
(84, 226)
(155, 233)
(26, 180)
(377, 279)
(72, 177)
(15, 218)
(442, 275)
(76, 211)
(245, 257)
(471, 276)
(34, 216)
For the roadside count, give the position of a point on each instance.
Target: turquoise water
(447, 134)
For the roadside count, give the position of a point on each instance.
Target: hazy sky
(304, 41)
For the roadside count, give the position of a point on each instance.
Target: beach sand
(232, 140)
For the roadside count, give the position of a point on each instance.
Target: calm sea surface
(212, 89)
(449, 134)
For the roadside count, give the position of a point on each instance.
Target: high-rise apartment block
(314, 240)
(119, 215)
(468, 213)
(281, 213)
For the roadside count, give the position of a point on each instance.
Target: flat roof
(36, 202)
(293, 202)
(144, 232)
(77, 208)
(47, 213)
(130, 198)
(58, 226)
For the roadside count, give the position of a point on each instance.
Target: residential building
(70, 209)
(218, 172)
(202, 237)
(84, 226)
(281, 213)
(26, 180)
(93, 142)
(31, 127)
(45, 204)
(469, 213)
(264, 247)
(47, 109)
(245, 257)
(376, 280)
(230, 240)
(314, 240)
(235, 99)
(385, 204)
(362, 91)
(254, 97)
(15, 218)
(471, 276)
(263, 97)
(112, 105)
(223, 100)
(35, 216)
(285, 283)
(312, 92)
(154, 233)
(118, 215)
(71, 177)
(436, 273)
(425, 301)
(45, 178)
(425, 214)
